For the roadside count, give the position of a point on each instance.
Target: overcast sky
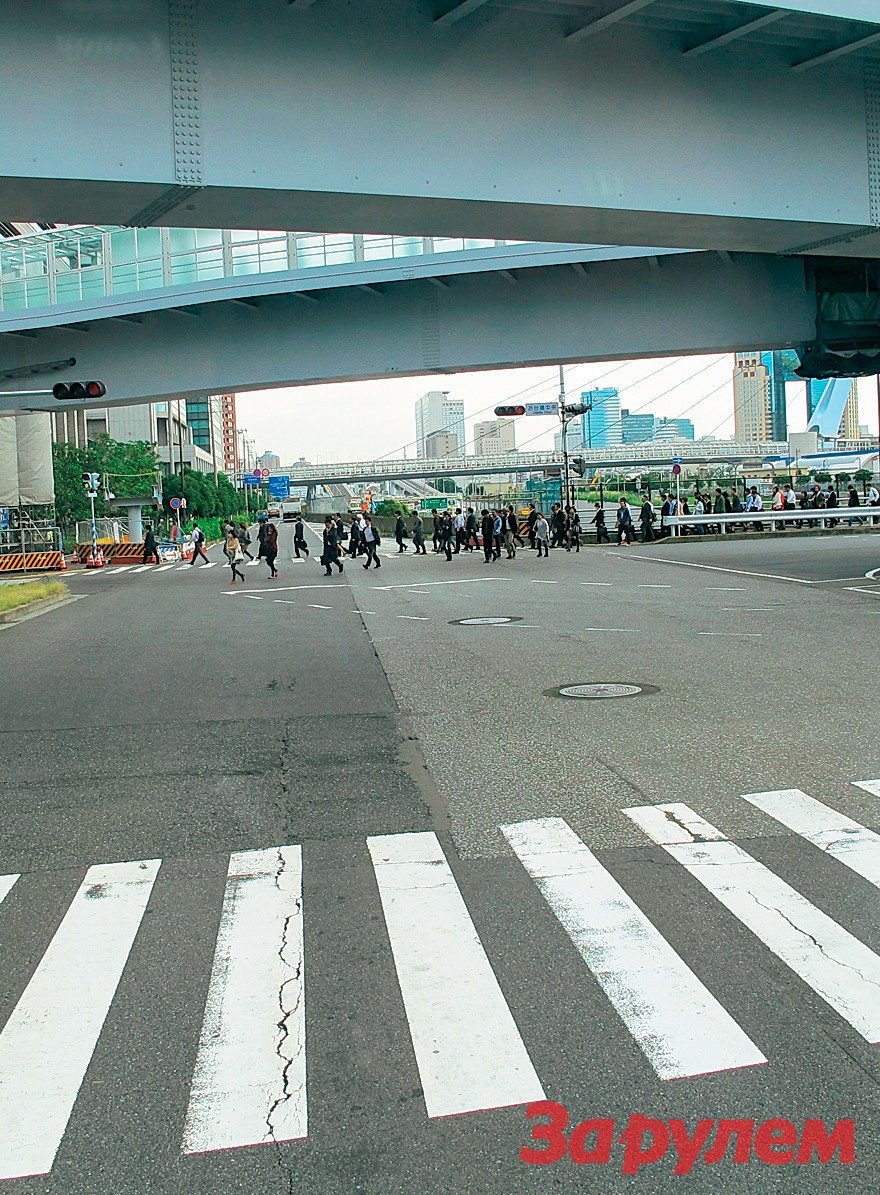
(367, 420)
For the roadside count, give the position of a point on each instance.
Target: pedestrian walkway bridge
(74, 265)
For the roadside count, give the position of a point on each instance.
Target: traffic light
(510, 411)
(577, 408)
(579, 465)
(64, 391)
(91, 482)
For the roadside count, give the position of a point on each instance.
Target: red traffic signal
(510, 410)
(78, 390)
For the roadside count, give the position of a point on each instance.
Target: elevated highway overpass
(626, 122)
(151, 330)
(636, 456)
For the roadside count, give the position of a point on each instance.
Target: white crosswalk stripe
(468, 1049)
(678, 1023)
(250, 1077)
(869, 786)
(840, 837)
(248, 1082)
(839, 968)
(123, 568)
(47, 1043)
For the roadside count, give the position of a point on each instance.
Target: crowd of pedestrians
(499, 530)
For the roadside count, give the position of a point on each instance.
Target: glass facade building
(601, 426)
(636, 429)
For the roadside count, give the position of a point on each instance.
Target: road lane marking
(648, 586)
(676, 1021)
(250, 1069)
(253, 597)
(862, 589)
(541, 581)
(724, 589)
(840, 837)
(48, 1041)
(871, 574)
(715, 568)
(869, 786)
(315, 606)
(837, 966)
(142, 568)
(609, 583)
(734, 634)
(181, 567)
(210, 564)
(6, 885)
(746, 609)
(425, 584)
(123, 568)
(163, 568)
(415, 617)
(290, 588)
(468, 1049)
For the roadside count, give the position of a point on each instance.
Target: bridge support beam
(690, 303)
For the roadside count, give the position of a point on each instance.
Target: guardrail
(746, 519)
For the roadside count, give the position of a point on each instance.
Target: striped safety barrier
(21, 562)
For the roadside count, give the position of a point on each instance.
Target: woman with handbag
(270, 550)
(234, 554)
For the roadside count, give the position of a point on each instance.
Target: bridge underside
(631, 308)
(648, 122)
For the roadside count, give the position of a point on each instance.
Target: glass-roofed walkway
(68, 265)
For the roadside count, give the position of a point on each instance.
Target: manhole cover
(597, 690)
(495, 620)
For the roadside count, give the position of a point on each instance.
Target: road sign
(676, 460)
(175, 503)
(251, 480)
(258, 472)
(676, 469)
(542, 408)
(434, 503)
(264, 473)
(279, 487)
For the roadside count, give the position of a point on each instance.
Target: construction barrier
(22, 562)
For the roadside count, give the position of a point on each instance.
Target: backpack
(200, 538)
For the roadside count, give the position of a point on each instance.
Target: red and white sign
(263, 473)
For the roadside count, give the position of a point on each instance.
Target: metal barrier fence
(832, 517)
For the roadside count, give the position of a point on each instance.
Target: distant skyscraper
(230, 433)
(601, 427)
(574, 438)
(440, 446)
(674, 429)
(269, 460)
(636, 429)
(494, 437)
(759, 398)
(849, 424)
(437, 412)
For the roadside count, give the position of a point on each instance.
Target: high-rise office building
(437, 412)
(849, 424)
(601, 425)
(759, 397)
(230, 434)
(439, 446)
(494, 437)
(269, 460)
(674, 429)
(205, 418)
(636, 429)
(574, 438)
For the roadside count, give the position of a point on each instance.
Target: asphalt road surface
(319, 885)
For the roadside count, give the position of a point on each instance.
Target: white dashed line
(734, 634)
(414, 617)
(725, 589)
(608, 583)
(648, 586)
(315, 606)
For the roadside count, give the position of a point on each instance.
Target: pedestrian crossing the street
(249, 1069)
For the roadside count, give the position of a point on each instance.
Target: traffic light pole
(565, 422)
(94, 527)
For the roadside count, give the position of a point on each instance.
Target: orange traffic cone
(96, 561)
(62, 567)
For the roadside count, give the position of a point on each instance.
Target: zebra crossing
(249, 1071)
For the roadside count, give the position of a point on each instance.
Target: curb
(20, 613)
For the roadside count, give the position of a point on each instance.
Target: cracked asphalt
(164, 718)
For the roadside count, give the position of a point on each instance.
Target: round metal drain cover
(495, 620)
(598, 690)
